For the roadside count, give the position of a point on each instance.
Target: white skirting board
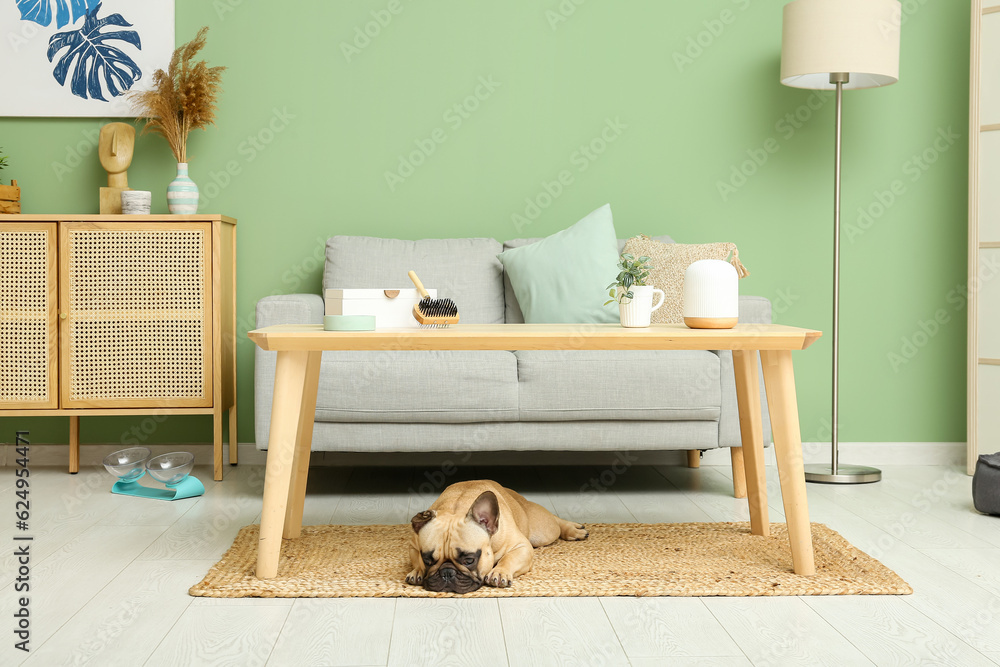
(858, 453)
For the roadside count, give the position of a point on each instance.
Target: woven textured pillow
(669, 261)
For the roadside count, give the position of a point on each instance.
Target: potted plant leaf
(635, 297)
(10, 195)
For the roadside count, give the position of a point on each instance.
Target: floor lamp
(840, 45)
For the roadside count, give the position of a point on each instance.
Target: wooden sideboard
(105, 315)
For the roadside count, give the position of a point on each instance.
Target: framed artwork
(79, 57)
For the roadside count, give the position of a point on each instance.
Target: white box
(391, 308)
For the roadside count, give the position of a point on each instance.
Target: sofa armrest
(753, 310)
(290, 309)
(271, 310)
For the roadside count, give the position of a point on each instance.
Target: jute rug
(681, 559)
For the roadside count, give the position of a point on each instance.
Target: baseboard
(861, 453)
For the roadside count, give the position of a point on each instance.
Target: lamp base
(846, 474)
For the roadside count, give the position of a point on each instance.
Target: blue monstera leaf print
(40, 11)
(96, 64)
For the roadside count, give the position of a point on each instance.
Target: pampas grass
(182, 98)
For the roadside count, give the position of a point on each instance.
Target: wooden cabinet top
(95, 217)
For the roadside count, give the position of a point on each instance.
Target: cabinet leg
(74, 445)
(232, 436)
(694, 458)
(217, 445)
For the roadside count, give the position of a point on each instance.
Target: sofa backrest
(464, 270)
(512, 311)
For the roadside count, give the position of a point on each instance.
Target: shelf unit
(105, 315)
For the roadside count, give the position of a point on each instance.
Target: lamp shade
(859, 37)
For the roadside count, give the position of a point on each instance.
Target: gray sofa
(396, 401)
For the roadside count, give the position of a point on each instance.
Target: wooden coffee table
(296, 380)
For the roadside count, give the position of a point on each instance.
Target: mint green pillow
(564, 278)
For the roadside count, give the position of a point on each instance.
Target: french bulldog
(479, 532)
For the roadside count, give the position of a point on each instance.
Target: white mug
(635, 312)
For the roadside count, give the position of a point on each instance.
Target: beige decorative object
(115, 148)
(670, 261)
(139, 318)
(618, 559)
(10, 198)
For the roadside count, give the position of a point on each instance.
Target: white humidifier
(711, 295)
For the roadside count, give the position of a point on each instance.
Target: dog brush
(433, 312)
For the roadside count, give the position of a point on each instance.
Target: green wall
(311, 121)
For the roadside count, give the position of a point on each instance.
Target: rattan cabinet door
(137, 300)
(28, 359)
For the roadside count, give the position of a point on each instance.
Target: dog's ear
(486, 512)
(422, 519)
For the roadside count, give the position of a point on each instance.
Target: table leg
(752, 436)
(779, 382)
(303, 445)
(739, 472)
(289, 388)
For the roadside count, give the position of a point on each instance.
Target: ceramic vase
(636, 312)
(182, 193)
(711, 295)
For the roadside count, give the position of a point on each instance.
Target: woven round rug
(633, 559)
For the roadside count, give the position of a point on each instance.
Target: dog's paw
(415, 578)
(574, 531)
(499, 578)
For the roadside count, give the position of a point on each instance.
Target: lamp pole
(835, 473)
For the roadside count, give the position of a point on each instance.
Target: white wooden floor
(110, 576)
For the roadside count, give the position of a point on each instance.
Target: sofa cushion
(656, 385)
(417, 386)
(464, 270)
(563, 277)
(512, 309)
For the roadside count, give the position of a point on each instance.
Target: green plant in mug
(3, 159)
(633, 272)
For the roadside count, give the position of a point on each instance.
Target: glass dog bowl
(128, 465)
(172, 470)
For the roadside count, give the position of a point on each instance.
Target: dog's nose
(447, 573)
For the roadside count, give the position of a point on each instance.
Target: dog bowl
(171, 468)
(127, 465)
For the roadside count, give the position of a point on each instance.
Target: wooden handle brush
(433, 312)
